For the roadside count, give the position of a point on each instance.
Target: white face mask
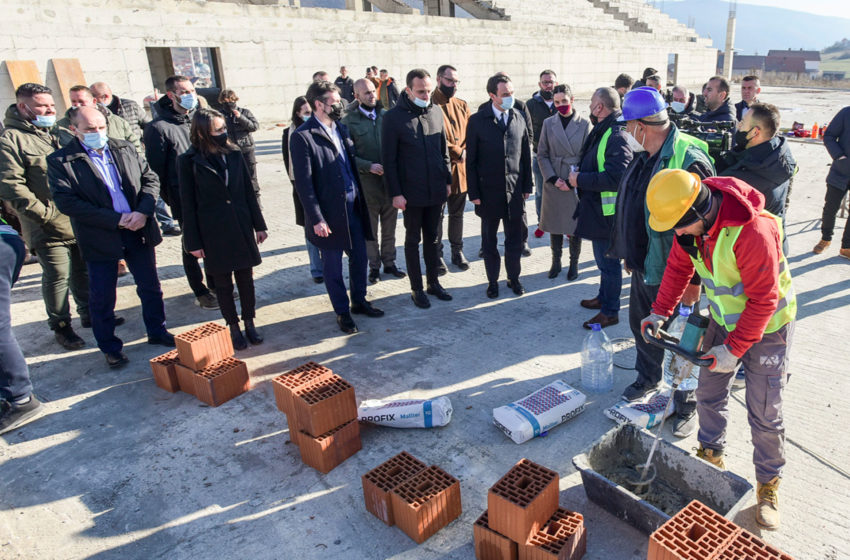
(634, 145)
(678, 106)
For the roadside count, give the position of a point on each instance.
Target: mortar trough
(608, 465)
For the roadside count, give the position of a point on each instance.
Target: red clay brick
(380, 481)
(746, 545)
(695, 533)
(521, 502)
(426, 502)
(322, 406)
(562, 538)
(285, 383)
(327, 451)
(203, 346)
(185, 378)
(164, 373)
(222, 381)
(490, 545)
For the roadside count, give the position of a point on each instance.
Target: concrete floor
(119, 468)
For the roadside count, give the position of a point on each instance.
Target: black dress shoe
(366, 308)
(526, 250)
(68, 338)
(436, 290)
(171, 231)
(237, 338)
(165, 338)
(442, 269)
(395, 271)
(318, 279)
(516, 287)
(116, 360)
(460, 261)
(346, 323)
(374, 276)
(492, 290)
(86, 323)
(480, 253)
(251, 332)
(420, 299)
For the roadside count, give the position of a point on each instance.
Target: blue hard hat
(642, 102)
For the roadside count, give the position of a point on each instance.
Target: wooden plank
(22, 72)
(69, 73)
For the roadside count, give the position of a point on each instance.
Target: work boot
(821, 246)
(556, 242)
(69, 340)
(711, 456)
(575, 251)
(767, 509)
(254, 336)
(237, 338)
(459, 260)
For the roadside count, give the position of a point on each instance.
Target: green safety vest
(680, 147)
(725, 290)
(609, 198)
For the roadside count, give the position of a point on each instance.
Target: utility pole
(730, 40)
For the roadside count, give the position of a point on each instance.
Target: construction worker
(724, 233)
(656, 144)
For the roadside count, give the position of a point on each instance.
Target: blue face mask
(421, 103)
(677, 106)
(306, 118)
(507, 103)
(44, 121)
(95, 140)
(188, 101)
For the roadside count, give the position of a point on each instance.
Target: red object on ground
(322, 406)
(164, 372)
(379, 483)
(426, 502)
(523, 500)
(327, 451)
(203, 346)
(490, 545)
(220, 382)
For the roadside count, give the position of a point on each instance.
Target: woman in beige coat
(561, 139)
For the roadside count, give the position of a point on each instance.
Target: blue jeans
(611, 278)
(162, 216)
(103, 279)
(14, 375)
(358, 264)
(315, 258)
(538, 183)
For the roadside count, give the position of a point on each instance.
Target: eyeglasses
(452, 82)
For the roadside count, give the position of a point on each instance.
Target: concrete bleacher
(575, 13)
(650, 19)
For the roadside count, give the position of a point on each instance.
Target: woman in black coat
(222, 221)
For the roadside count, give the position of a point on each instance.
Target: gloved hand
(653, 322)
(724, 360)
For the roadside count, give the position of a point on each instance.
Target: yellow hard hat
(670, 195)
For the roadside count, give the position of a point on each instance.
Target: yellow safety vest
(609, 198)
(680, 147)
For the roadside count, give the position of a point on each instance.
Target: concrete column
(295, 3)
(356, 5)
(730, 44)
(439, 8)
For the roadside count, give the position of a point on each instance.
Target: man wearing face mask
(455, 119)
(116, 127)
(109, 192)
(166, 138)
(498, 170)
(241, 124)
(364, 120)
(656, 144)
(335, 214)
(541, 106)
(31, 135)
(683, 101)
(417, 173)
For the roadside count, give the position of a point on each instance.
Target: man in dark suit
(335, 212)
(498, 170)
(109, 192)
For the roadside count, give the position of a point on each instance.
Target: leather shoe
(591, 303)
(420, 299)
(117, 359)
(374, 276)
(460, 261)
(436, 290)
(516, 287)
(68, 338)
(492, 290)
(172, 231)
(86, 323)
(237, 338)
(346, 323)
(603, 320)
(526, 250)
(366, 308)
(164, 338)
(442, 269)
(318, 279)
(254, 336)
(395, 271)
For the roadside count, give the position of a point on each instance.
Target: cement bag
(643, 414)
(540, 411)
(414, 413)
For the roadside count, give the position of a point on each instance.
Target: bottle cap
(595, 327)
(686, 310)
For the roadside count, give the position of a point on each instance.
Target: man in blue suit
(335, 213)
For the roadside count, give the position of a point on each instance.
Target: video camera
(718, 135)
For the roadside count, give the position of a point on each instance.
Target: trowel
(685, 353)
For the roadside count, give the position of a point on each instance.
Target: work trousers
(385, 216)
(103, 279)
(513, 247)
(456, 206)
(358, 264)
(63, 271)
(14, 375)
(766, 363)
(224, 293)
(611, 278)
(422, 223)
(832, 202)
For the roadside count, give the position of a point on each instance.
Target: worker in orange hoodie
(387, 91)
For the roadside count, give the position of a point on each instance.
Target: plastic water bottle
(676, 329)
(597, 361)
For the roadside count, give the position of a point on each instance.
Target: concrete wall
(270, 52)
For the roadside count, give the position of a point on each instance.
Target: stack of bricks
(523, 520)
(403, 491)
(202, 366)
(321, 412)
(699, 533)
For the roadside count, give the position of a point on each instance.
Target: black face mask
(220, 140)
(547, 95)
(594, 119)
(336, 111)
(229, 106)
(741, 139)
(367, 107)
(448, 91)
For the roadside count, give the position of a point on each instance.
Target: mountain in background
(758, 28)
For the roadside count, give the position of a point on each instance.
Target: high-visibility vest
(680, 148)
(609, 198)
(725, 290)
